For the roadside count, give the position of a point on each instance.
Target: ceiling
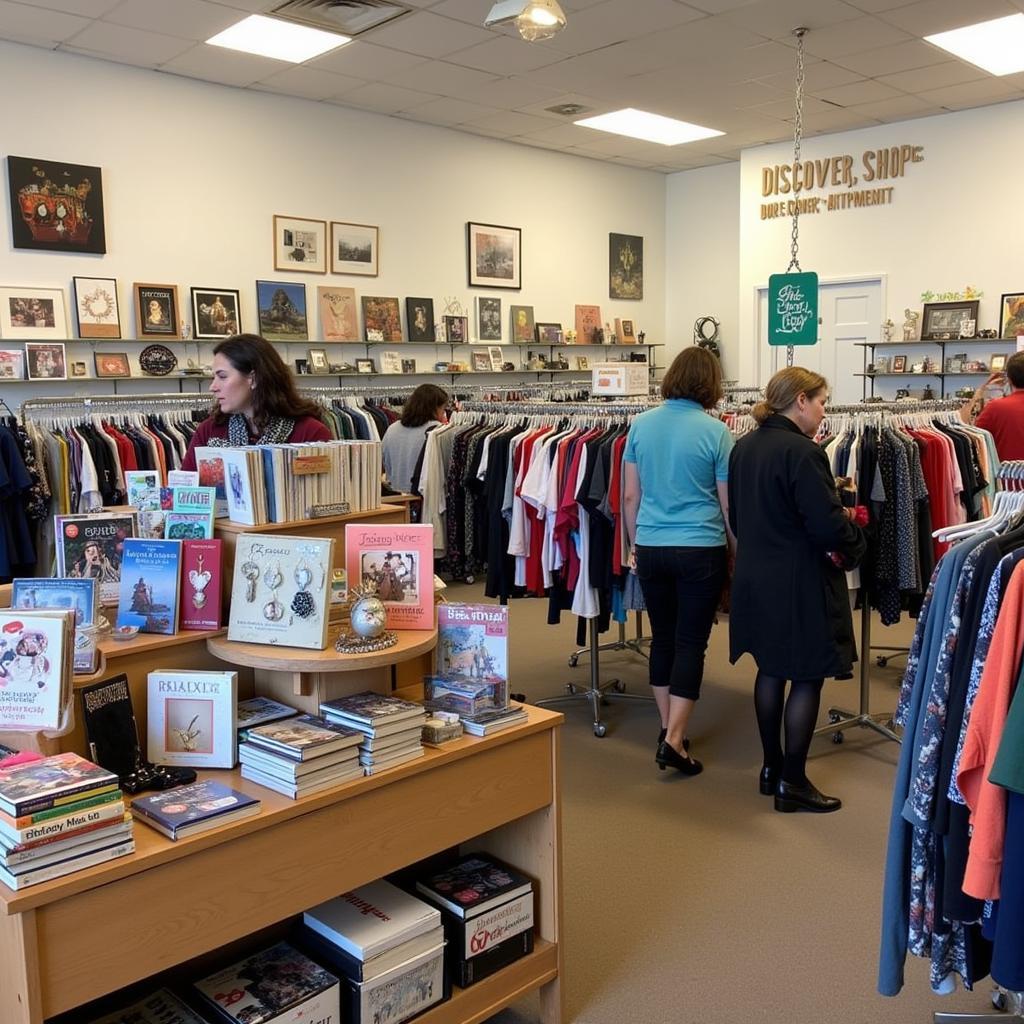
(726, 64)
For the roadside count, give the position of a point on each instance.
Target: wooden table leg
(20, 997)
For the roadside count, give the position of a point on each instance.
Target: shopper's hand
(632, 561)
(997, 379)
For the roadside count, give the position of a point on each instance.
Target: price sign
(793, 309)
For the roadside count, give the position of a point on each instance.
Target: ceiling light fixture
(639, 124)
(281, 40)
(535, 20)
(995, 46)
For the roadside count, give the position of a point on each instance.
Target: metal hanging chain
(798, 131)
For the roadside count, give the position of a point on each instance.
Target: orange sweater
(981, 744)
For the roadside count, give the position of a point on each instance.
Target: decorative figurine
(368, 620)
(910, 324)
(887, 328)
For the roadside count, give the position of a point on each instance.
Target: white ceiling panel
(514, 93)
(897, 108)
(857, 93)
(441, 79)
(446, 110)
(837, 121)
(189, 19)
(382, 98)
(887, 60)
(719, 6)
(511, 122)
(820, 75)
(132, 45)
(875, 6)
(777, 18)
(929, 16)
(854, 36)
(38, 27)
(615, 22)
(938, 76)
(505, 56)
(365, 60)
(428, 35)
(309, 83)
(81, 8)
(228, 67)
(970, 94)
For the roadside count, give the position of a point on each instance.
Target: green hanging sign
(793, 309)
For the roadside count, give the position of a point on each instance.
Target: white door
(848, 312)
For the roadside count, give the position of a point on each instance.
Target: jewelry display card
(201, 606)
(150, 576)
(279, 590)
(89, 546)
(397, 563)
(64, 595)
(192, 718)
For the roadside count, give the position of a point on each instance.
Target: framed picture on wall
(456, 329)
(495, 257)
(318, 362)
(355, 249)
(156, 310)
(1011, 315)
(419, 318)
(45, 361)
(282, 310)
(382, 318)
(944, 319)
(625, 266)
(998, 362)
(12, 364)
(95, 301)
(112, 364)
(488, 318)
(215, 312)
(300, 245)
(35, 314)
(899, 364)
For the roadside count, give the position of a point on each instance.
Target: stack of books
(483, 723)
(188, 810)
(162, 1007)
(58, 815)
(391, 728)
(388, 948)
(487, 909)
(298, 756)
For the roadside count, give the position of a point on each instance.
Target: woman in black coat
(789, 606)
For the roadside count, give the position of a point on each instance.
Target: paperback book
(90, 546)
(304, 738)
(64, 825)
(52, 848)
(192, 718)
(261, 710)
(188, 810)
(77, 862)
(210, 466)
(142, 488)
(150, 578)
(53, 781)
(77, 595)
(279, 590)
(36, 668)
(162, 1007)
(240, 466)
(201, 600)
(397, 563)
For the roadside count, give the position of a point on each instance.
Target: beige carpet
(689, 900)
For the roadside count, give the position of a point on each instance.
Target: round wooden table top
(274, 658)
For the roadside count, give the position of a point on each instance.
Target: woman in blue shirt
(675, 509)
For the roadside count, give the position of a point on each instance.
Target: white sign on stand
(618, 380)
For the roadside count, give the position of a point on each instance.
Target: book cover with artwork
(474, 884)
(35, 667)
(304, 738)
(588, 319)
(188, 526)
(60, 594)
(339, 319)
(55, 780)
(472, 642)
(142, 488)
(192, 718)
(188, 810)
(240, 486)
(279, 590)
(275, 985)
(90, 546)
(398, 563)
(150, 578)
(210, 466)
(162, 1007)
(261, 710)
(201, 597)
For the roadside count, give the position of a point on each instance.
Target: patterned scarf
(278, 430)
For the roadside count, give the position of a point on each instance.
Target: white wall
(193, 173)
(702, 219)
(954, 219)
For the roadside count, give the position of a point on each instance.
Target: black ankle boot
(789, 798)
(669, 757)
(769, 780)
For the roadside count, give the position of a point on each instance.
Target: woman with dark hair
(256, 401)
(402, 446)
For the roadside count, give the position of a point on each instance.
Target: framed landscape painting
(355, 249)
(495, 256)
(282, 311)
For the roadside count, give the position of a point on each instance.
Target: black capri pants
(681, 586)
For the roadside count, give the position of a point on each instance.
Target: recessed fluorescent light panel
(639, 124)
(996, 46)
(282, 40)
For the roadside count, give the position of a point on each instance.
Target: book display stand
(171, 904)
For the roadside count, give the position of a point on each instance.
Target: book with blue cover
(198, 807)
(64, 594)
(150, 581)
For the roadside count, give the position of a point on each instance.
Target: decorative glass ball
(369, 617)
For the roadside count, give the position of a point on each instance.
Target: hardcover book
(460, 696)
(349, 967)
(397, 562)
(162, 1007)
(187, 810)
(303, 738)
(275, 985)
(52, 848)
(77, 595)
(260, 710)
(279, 590)
(36, 666)
(368, 710)
(53, 781)
(474, 884)
(90, 546)
(78, 862)
(192, 719)
(210, 466)
(201, 598)
(150, 577)
(472, 643)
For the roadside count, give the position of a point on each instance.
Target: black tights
(800, 714)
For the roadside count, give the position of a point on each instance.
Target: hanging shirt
(1005, 419)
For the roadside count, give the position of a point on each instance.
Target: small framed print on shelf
(96, 305)
(954, 364)
(456, 330)
(494, 354)
(391, 362)
(582, 363)
(300, 245)
(481, 362)
(997, 363)
(549, 334)
(112, 364)
(79, 369)
(302, 366)
(45, 361)
(318, 361)
(625, 331)
(156, 310)
(366, 366)
(215, 312)
(36, 313)
(899, 364)
(408, 366)
(12, 364)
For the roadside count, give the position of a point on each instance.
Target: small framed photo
(301, 366)
(954, 365)
(96, 304)
(550, 334)
(625, 331)
(318, 361)
(45, 361)
(215, 312)
(582, 363)
(899, 364)
(12, 364)
(494, 354)
(481, 362)
(456, 330)
(944, 319)
(36, 313)
(997, 362)
(408, 366)
(156, 310)
(355, 249)
(391, 362)
(1011, 315)
(968, 328)
(488, 318)
(112, 364)
(366, 366)
(78, 369)
(300, 245)
(918, 367)
(494, 253)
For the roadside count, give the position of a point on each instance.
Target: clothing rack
(33, 407)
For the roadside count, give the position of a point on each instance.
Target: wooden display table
(304, 678)
(67, 942)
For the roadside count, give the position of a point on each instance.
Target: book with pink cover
(201, 584)
(398, 563)
(588, 319)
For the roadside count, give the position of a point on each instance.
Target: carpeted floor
(689, 900)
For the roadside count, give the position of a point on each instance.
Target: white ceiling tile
(785, 109)
(615, 21)
(428, 35)
(855, 36)
(837, 121)
(309, 83)
(384, 99)
(938, 76)
(81, 8)
(228, 67)
(877, 6)
(591, 104)
(364, 60)
(146, 49)
(446, 110)
(22, 24)
(822, 74)
(858, 93)
(503, 55)
(188, 19)
(971, 94)
(777, 18)
(439, 78)
(719, 6)
(566, 134)
(596, 74)
(514, 92)
(929, 16)
(511, 122)
(887, 60)
(897, 108)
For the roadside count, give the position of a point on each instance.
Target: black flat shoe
(664, 733)
(668, 757)
(789, 798)
(769, 780)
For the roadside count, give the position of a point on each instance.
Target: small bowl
(124, 632)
